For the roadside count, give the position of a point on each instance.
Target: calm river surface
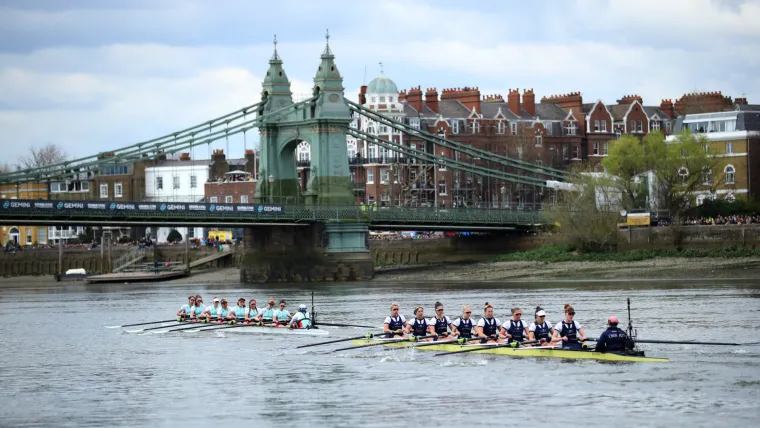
(60, 367)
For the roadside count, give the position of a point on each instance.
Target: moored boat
(542, 352)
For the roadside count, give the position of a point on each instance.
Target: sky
(93, 75)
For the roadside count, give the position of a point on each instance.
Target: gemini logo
(112, 206)
(6, 204)
(212, 208)
(59, 205)
(261, 208)
(163, 207)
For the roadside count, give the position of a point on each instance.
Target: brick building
(231, 180)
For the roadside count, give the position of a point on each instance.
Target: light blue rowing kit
(186, 309)
(282, 316)
(240, 312)
(213, 310)
(253, 313)
(268, 314)
(224, 312)
(199, 309)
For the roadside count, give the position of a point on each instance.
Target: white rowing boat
(252, 329)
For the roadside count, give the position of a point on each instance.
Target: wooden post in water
(187, 250)
(60, 258)
(102, 252)
(110, 261)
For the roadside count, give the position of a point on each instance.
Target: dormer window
(414, 123)
(455, 126)
(500, 127)
(475, 127)
(570, 128)
(604, 126)
(514, 128)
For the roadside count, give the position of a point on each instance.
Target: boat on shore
(540, 352)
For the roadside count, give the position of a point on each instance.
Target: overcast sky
(91, 75)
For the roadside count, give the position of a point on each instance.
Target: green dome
(382, 85)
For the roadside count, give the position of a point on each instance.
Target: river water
(60, 367)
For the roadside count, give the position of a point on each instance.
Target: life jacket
(395, 324)
(516, 330)
(441, 325)
(304, 322)
(465, 328)
(419, 327)
(490, 328)
(542, 331)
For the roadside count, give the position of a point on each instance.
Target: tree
(40, 157)
(174, 236)
(679, 169)
(5, 168)
(626, 160)
(587, 215)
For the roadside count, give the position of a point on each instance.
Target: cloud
(92, 75)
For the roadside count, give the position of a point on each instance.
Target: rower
(395, 323)
(282, 316)
(239, 312)
(197, 310)
(489, 327)
(225, 311)
(252, 313)
(613, 339)
(516, 329)
(267, 315)
(463, 325)
(301, 319)
(184, 310)
(418, 326)
(211, 312)
(568, 330)
(541, 330)
(440, 323)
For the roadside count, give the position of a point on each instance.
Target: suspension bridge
(327, 206)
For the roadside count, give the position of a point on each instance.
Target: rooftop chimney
(363, 95)
(513, 101)
(529, 101)
(184, 156)
(414, 98)
(667, 107)
(431, 99)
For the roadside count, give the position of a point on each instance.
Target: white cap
(216, 299)
(541, 313)
(302, 307)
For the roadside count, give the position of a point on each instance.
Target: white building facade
(176, 181)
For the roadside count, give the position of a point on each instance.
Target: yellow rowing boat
(545, 352)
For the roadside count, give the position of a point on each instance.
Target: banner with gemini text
(157, 208)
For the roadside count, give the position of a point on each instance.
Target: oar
(459, 341)
(198, 324)
(483, 348)
(160, 327)
(139, 323)
(342, 325)
(223, 326)
(366, 336)
(408, 339)
(672, 342)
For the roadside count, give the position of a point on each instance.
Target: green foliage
(566, 254)
(174, 236)
(722, 207)
(626, 159)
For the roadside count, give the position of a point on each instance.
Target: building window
(596, 148)
(228, 199)
(384, 176)
(684, 174)
(395, 175)
(655, 125)
(41, 235)
(605, 148)
(539, 162)
(475, 127)
(442, 187)
(414, 122)
(175, 182)
(667, 126)
(565, 152)
(159, 183)
(455, 126)
(570, 128)
(28, 235)
(213, 199)
(640, 127)
(604, 126)
(729, 148)
(707, 148)
(85, 186)
(730, 174)
(707, 176)
(514, 128)
(351, 148)
(412, 176)
(576, 154)
(596, 126)
(548, 127)
(244, 199)
(193, 182)
(500, 127)
(370, 176)
(539, 140)
(118, 190)
(104, 190)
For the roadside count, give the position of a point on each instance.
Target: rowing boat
(252, 329)
(542, 352)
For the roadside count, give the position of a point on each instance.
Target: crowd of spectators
(720, 220)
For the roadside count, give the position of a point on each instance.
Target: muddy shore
(655, 269)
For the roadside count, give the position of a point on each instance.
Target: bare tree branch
(40, 157)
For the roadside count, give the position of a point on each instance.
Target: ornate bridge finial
(275, 56)
(381, 68)
(327, 43)
(327, 36)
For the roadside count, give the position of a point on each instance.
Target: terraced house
(18, 234)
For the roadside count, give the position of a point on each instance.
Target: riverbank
(652, 269)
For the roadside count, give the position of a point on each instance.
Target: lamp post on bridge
(503, 196)
(270, 180)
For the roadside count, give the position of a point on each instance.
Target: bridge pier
(313, 253)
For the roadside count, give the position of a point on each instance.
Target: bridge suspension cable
(446, 162)
(455, 145)
(170, 143)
